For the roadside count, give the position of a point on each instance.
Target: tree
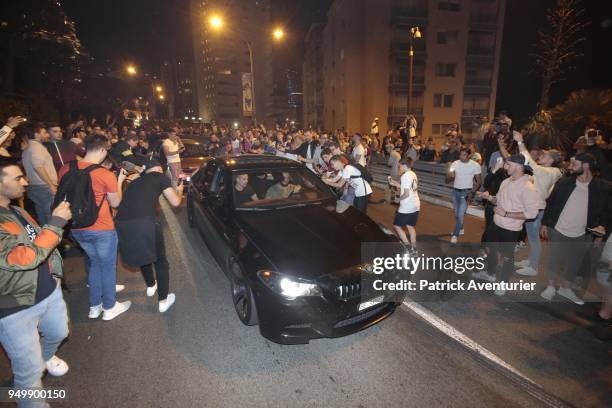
(583, 108)
(557, 45)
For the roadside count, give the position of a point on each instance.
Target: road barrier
(432, 182)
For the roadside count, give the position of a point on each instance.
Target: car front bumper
(303, 319)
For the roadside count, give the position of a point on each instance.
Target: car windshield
(280, 188)
(193, 149)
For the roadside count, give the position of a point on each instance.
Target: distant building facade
(312, 78)
(178, 79)
(365, 64)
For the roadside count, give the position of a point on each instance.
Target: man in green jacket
(31, 300)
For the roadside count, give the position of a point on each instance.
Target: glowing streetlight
(278, 34)
(162, 97)
(159, 88)
(131, 69)
(216, 22)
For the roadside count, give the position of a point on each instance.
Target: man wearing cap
(140, 232)
(579, 203)
(515, 202)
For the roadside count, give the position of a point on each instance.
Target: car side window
(197, 180)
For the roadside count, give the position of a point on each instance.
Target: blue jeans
(42, 197)
(533, 234)
(460, 206)
(27, 350)
(101, 249)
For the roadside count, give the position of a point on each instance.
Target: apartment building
(365, 67)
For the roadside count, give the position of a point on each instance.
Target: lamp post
(216, 22)
(414, 33)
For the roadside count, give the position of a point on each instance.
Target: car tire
(190, 215)
(243, 299)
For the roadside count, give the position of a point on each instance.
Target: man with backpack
(93, 190)
(356, 176)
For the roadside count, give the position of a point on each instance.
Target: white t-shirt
(410, 183)
(464, 173)
(172, 146)
(572, 221)
(359, 150)
(361, 187)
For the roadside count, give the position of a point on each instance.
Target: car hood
(191, 164)
(310, 241)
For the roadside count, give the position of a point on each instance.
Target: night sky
(147, 32)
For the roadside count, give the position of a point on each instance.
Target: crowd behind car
(527, 193)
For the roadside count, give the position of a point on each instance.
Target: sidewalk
(551, 343)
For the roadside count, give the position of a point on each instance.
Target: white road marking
(456, 335)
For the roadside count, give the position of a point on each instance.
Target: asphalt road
(198, 354)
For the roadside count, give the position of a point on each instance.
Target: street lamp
(278, 34)
(162, 97)
(131, 70)
(158, 88)
(414, 34)
(216, 22)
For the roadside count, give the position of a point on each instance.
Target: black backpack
(365, 174)
(76, 188)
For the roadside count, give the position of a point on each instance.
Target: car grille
(348, 291)
(359, 317)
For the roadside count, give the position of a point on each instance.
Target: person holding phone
(141, 238)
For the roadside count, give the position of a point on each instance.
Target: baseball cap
(521, 159)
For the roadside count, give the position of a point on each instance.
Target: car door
(213, 213)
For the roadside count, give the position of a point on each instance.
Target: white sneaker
(166, 303)
(151, 290)
(483, 275)
(453, 239)
(116, 310)
(527, 271)
(119, 288)
(56, 366)
(523, 263)
(500, 292)
(95, 311)
(569, 294)
(462, 232)
(549, 292)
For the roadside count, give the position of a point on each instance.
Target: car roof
(256, 161)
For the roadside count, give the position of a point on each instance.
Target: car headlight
(288, 286)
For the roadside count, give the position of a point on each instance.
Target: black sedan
(294, 262)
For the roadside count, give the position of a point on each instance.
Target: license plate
(369, 303)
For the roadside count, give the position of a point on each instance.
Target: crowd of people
(103, 180)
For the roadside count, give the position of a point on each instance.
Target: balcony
(480, 51)
(479, 61)
(475, 112)
(409, 16)
(483, 21)
(402, 111)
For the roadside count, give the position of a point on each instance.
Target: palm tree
(582, 108)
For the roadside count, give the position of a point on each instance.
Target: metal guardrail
(432, 177)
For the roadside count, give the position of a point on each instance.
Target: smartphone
(596, 233)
